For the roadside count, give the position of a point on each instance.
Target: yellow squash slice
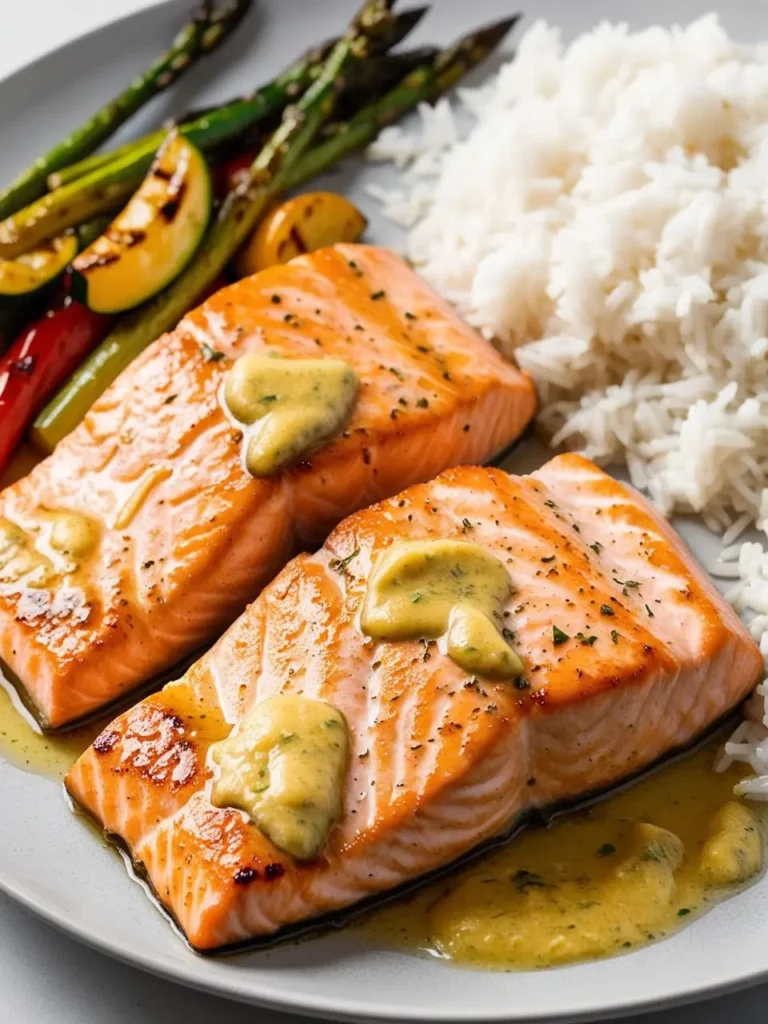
(153, 239)
(302, 224)
(36, 268)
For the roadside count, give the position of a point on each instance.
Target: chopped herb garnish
(549, 558)
(558, 636)
(606, 850)
(521, 683)
(527, 880)
(266, 399)
(507, 634)
(550, 504)
(605, 609)
(631, 583)
(588, 641)
(415, 597)
(378, 295)
(422, 403)
(409, 316)
(650, 613)
(340, 564)
(169, 399)
(596, 547)
(211, 355)
(466, 525)
(683, 912)
(276, 299)
(615, 636)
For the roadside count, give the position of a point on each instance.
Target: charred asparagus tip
(408, 20)
(222, 21)
(203, 16)
(491, 35)
(372, 15)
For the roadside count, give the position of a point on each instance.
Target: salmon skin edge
(316, 927)
(122, 703)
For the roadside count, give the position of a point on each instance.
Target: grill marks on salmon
(440, 761)
(186, 536)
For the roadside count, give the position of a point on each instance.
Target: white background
(45, 976)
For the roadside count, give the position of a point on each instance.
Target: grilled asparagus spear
(108, 185)
(423, 84)
(239, 213)
(202, 35)
(226, 120)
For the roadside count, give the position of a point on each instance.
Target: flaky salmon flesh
(628, 651)
(185, 536)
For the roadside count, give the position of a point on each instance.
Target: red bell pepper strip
(226, 175)
(38, 363)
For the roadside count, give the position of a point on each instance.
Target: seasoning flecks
(558, 636)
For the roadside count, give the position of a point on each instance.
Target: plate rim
(112, 21)
(257, 992)
(339, 1008)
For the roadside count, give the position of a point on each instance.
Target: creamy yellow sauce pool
(23, 745)
(596, 883)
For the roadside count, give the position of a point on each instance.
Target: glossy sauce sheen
(21, 741)
(287, 406)
(23, 744)
(285, 767)
(430, 588)
(600, 882)
(440, 760)
(187, 537)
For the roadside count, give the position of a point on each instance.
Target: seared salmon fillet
(179, 536)
(628, 653)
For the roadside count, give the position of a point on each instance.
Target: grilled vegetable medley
(102, 251)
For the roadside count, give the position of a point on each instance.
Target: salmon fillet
(186, 536)
(440, 761)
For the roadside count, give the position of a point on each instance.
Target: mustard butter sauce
(600, 882)
(595, 883)
(431, 588)
(286, 406)
(285, 767)
(25, 746)
(73, 534)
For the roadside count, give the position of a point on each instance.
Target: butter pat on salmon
(624, 652)
(183, 506)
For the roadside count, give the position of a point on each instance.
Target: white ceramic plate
(51, 863)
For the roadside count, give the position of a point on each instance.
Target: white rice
(606, 221)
